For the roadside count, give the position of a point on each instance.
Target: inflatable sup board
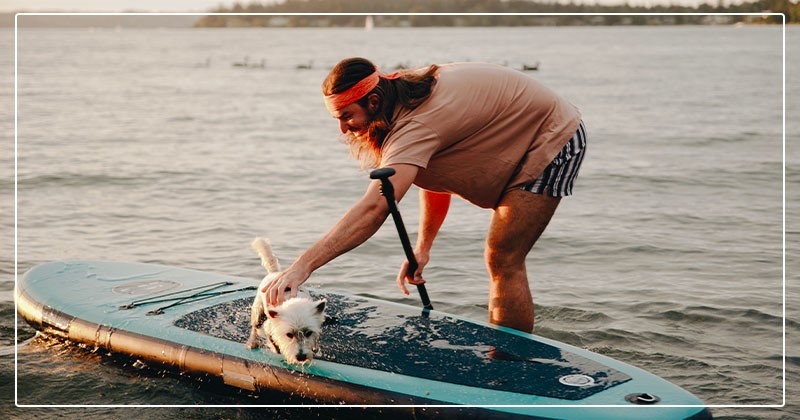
(373, 352)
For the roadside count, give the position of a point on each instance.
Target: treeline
(790, 9)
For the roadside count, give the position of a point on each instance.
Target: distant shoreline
(131, 21)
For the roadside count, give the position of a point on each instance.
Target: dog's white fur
(291, 329)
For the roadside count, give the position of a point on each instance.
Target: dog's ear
(272, 313)
(321, 305)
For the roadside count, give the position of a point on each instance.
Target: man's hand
(422, 260)
(276, 285)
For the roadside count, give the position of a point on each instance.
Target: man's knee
(502, 260)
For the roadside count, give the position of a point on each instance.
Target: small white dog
(291, 329)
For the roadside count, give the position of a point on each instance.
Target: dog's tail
(268, 259)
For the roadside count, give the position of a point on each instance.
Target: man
(493, 136)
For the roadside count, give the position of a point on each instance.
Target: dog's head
(294, 327)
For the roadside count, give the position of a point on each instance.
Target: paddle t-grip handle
(387, 190)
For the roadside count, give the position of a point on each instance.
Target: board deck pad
(431, 345)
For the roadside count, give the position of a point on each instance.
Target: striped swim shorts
(559, 176)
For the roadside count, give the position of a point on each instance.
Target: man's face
(354, 118)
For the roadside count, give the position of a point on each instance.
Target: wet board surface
(435, 347)
(372, 351)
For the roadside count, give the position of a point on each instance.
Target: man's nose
(344, 127)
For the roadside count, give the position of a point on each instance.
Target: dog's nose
(302, 357)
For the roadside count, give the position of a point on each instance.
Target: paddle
(387, 189)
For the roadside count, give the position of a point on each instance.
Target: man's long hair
(410, 90)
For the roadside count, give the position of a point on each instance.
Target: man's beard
(363, 147)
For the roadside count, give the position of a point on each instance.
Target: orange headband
(337, 101)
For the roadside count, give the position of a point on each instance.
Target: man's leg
(517, 223)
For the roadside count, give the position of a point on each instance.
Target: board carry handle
(387, 190)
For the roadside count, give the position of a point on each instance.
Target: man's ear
(373, 103)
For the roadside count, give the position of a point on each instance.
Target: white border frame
(16, 273)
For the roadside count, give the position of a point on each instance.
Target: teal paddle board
(373, 352)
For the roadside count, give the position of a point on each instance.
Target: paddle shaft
(387, 190)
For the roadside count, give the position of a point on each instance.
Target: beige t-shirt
(484, 130)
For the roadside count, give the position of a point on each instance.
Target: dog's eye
(290, 335)
(309, 333)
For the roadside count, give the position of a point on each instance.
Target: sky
(205, 5)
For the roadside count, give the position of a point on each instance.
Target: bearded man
(491, 135)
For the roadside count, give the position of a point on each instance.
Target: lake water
(150, 146)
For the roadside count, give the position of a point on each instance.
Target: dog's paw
(253, 343)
